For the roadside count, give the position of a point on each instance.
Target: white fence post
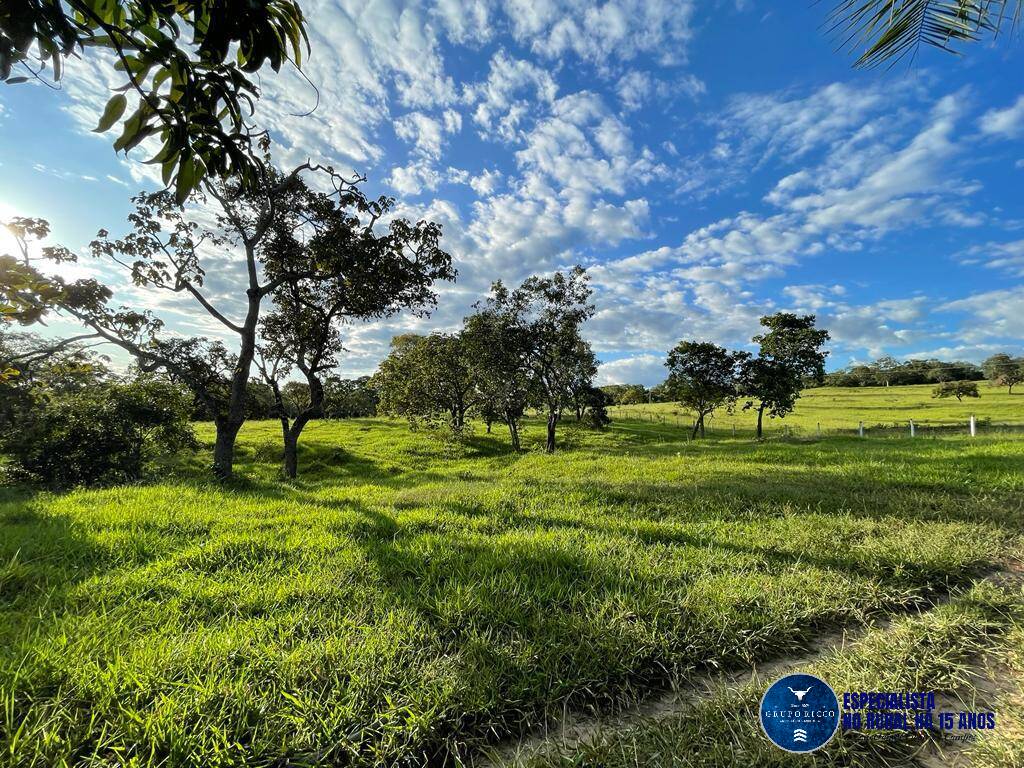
(974, 426)
(860, 429)
(911, 427)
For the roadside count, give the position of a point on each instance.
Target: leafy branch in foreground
(176, 58)
(888, 30)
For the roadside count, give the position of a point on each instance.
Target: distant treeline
(1002, 370)
(343, 399)
(889, 372)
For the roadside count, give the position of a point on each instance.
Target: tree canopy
(957, 389)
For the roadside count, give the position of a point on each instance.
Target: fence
(734, 425)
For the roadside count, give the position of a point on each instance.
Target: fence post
(734, 430)
(819, 429)
(911, 427)
(786, 428)
(860, 429)
(974, 426)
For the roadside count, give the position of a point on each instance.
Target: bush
(596, 417)
(103, 433)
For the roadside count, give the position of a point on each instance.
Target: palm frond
(889, 30)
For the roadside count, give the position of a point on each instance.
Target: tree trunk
(228, 426)
(549, 446)
(314, 410)
(224, 448)
(513, 431)
(291, 453)
(760, 415)
(488, 422)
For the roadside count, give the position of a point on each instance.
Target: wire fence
(735, 425)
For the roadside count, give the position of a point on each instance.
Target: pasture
(410, 600)
(839, 410)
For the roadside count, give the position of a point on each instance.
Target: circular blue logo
(800, 713)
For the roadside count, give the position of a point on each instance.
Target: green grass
(407, 600)
(840, 409)
(938, 650)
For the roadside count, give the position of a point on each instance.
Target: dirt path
(573, 731)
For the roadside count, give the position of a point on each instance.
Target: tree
(1004, 371)
(595, 409)
(790, 354)
(337, 270)
(189, 63)
(886, 366)
(427, 377)
(702, 377)
(957, 389)
(349, 398)
(497, 351)
(167, 250)
(30, 364)
(770, 385)
(660, 393)
(580, 380)
(888, 30)
(549, 313)
(633, 394)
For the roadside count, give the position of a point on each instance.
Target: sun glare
(7, 212)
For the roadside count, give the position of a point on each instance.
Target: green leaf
(112, 113)
(186, 180)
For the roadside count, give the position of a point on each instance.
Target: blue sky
(709, 162)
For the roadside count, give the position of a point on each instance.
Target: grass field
(408, 600)
(840, 409)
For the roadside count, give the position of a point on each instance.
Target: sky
(708, 162)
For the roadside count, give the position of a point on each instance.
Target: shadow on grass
(41, 555)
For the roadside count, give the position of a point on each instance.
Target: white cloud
(640, 369)
(634, 88)
(502, 99)
(619, 29)
(414, 178)
(1007, 257)
(466, 22)
(993, 314)
(486, 183)
(427, 133)
(1005, 123)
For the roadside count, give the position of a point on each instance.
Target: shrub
(108, 432)
(596, 417)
